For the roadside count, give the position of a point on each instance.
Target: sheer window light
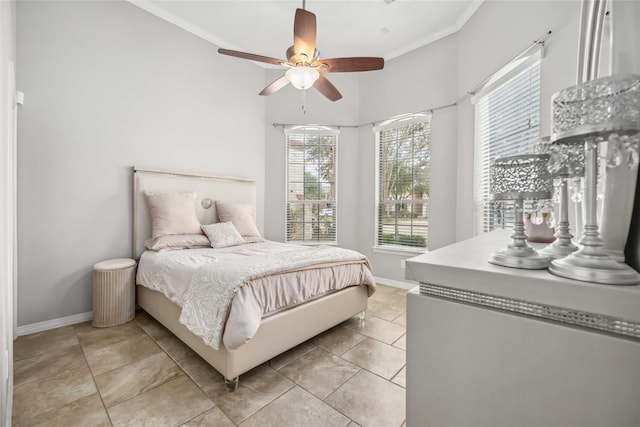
(507, 122)
(311, 208)
(403, 165)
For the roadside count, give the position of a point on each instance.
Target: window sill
(398, 251)
(302, 243)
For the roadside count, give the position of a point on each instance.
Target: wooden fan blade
(275, 86)
(251, 56)
(326, 88)
(304, 33)
(346, 65)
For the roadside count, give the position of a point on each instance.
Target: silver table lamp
(566, 162)
(519, 178)
(585, 115)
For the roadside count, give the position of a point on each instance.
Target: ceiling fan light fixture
(303, 60)
(302, 77)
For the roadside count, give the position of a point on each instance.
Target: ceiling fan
(305, 68)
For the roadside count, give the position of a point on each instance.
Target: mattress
(259, 294)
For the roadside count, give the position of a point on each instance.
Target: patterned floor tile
(121, 354)
(93, 339)
(338, 340)
(319, 372)
(401, 378)
(48, 364)
(43, 342)
(151, 326)
(175, 348)
(128, 381)
(258, 388)
(378, 329)
(297, 408)
(401, 342)
(214, 417)
(379, 358)
(87, 411)
(370, 401)
(35, 398)
(170, 404)
(291, 355)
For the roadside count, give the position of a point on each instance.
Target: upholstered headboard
(209, 188)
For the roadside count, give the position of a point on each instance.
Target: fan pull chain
(304, 99)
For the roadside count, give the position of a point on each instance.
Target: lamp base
(519, 257)
(597, 268)
(616, 254)
(558, 249)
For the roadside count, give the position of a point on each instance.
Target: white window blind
(311, 209)
(507, 122)
(402, 181)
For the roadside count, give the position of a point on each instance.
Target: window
(311, 209)
(507, 122)
(402, 181)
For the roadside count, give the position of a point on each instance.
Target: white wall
(423, 79)
(109, 86)
(285, 107)
(7, 206)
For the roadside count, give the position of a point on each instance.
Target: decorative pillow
(241, 215)
(172, 213)
(177, 241)
(222, 234)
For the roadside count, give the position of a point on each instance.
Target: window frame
(397, 123)
(304, 131)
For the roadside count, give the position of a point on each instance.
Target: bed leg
(232, 384)
(361, 317)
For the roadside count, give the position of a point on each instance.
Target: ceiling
(344, 28)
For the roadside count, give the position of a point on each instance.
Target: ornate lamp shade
(585, 115)
(520, 178)
(596, 108)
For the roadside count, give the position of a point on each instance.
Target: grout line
(336, 390)
(95, 383)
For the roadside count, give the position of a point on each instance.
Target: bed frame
(277, 333)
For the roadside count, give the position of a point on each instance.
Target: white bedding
(195, 279)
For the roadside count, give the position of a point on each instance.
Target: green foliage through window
(311, 186)
(404, 167)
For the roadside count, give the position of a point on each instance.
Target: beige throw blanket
(213, 287)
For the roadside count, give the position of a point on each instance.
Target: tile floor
(139, 374)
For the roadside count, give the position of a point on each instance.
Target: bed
(278, 331)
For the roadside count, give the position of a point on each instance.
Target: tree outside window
(403, 184)
(311, 186)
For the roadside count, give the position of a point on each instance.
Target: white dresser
(495, 346)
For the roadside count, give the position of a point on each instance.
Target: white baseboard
(395, 283)
(83, 317)
(54, 323)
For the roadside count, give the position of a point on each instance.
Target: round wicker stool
(114, 292)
